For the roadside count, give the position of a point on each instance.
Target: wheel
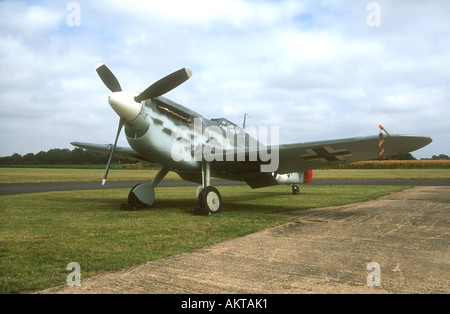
(133, 200)
(295, 190)
(210, 199)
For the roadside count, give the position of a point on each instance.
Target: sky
(318, 70)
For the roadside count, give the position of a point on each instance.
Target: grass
(40, 234)
(36, 175)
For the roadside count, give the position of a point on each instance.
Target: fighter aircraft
(163, 132)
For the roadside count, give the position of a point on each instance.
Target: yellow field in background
(400, 164)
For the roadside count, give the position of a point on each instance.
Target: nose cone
(124, 105)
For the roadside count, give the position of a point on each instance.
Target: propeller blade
(165, 84)
(108, 166)
(108, 78)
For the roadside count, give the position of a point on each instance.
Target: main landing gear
(209, 198)
(295, 189)
(143, 194)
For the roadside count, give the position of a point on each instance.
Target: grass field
(40, 234)
(36, 175)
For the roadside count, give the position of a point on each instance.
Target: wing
(315, 155)
(291, 158)
(121, 152)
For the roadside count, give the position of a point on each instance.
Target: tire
(133, 200)
(210, 199)
(295, 190)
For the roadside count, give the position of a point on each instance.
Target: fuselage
(171, 134)
(181, 140)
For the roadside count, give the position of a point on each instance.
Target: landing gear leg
(144, 194)
(209, 197)
(295, 190)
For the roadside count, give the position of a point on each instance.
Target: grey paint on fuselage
(153, 134)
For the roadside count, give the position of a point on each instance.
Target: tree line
(55, 156)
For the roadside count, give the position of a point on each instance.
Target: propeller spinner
(128, 105)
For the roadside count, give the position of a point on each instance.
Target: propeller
(127, 105)
(165, 84)
(108, 165)
(108, 78)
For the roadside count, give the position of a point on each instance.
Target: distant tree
(41, 158)
(57, 156)
(16, 158)
(6, 160)
(440, 157)
(29, 158)
(78, 156)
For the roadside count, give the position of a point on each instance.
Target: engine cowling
(294, 177)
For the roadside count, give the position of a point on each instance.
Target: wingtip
(76, 144)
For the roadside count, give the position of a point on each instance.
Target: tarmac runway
(25, 188)
(398, 243)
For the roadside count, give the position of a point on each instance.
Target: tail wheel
(209, 198)
(295, 190)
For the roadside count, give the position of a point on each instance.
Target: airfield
(318, 250)
(324, 250)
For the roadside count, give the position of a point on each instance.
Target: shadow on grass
(238, 200)
(235, 199)
(178, 199)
